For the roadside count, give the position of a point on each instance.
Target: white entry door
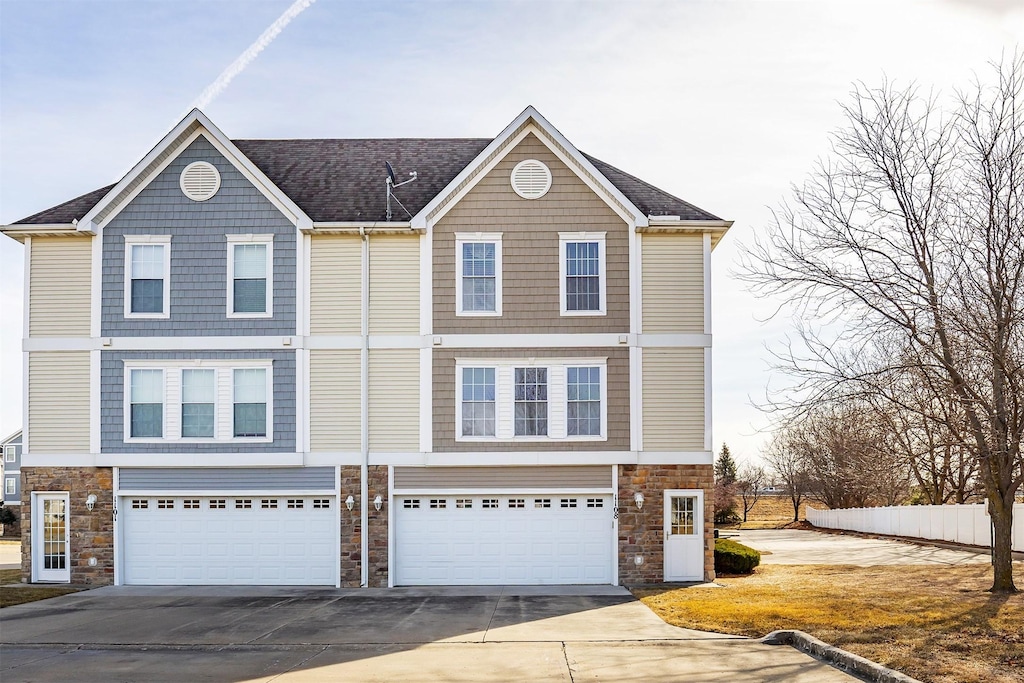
(684, 535)
(50, 561)
(255, 539)
(450, 539)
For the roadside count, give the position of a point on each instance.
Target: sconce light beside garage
(350, 503)
(378, 502)
(638, 498)
(90, 502)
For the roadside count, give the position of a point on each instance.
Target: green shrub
(734, 558)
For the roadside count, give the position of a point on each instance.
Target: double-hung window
(10, 453)
(146, 413)
(505, 399)
(147, 292)
(478, 401)
(531, 402)
(250, 402)
(582, 273)
(10, 486)
(199, 400)
(250, 276)
(478, 274)
(583, 415)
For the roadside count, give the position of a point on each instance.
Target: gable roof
(342, 180)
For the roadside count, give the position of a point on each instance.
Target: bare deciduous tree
(786, 462)
(907, 247)
(750, 486)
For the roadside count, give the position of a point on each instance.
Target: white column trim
(707, 401)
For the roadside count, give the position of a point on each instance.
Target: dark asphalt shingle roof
(341, 180)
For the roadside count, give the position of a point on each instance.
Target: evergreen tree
(725, 467)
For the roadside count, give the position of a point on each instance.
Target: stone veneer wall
(351, 531)
(641, 532)
(90, 532)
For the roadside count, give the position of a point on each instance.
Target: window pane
(251, 261)
(147, 261)
(478, 294)
(251, 385)
(147, 386)
(250, 296)
(197, 419)
(147, 296)
(683, 509)
(478, 259)
(147, 420)
(250, 419)
(197, 386)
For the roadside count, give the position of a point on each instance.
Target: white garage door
(550, 539)
(255, 540)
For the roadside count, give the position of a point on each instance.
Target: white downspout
(364, 412)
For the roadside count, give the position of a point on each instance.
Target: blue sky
(723, 103)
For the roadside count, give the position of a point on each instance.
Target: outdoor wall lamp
(377, 503)
(90, 502)
(638, 498)
(350, 503)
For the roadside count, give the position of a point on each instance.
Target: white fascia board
(531, 115)
(672, 224)
(298, 217)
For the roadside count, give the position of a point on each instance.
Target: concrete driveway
(298, 634)
(795, 546)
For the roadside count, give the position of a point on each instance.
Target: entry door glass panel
(51, 539)
(682, 515)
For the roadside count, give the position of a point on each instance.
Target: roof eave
(19, 231)
(675, 225)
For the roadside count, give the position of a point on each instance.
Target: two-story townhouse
(242, 368)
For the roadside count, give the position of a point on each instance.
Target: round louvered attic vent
(200, 181)
(531, 179)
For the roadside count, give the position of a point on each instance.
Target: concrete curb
(841, 659)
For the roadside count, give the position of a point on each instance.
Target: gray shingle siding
(226, 479)
(198, 276)
(112, 402)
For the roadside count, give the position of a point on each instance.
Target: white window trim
(565, 238)
(10, 453)
(10, 486)
(232, 240)
(223, 412)
(504, 398)
(129, 242)
(472, 238)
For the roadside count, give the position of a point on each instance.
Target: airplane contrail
(236, 67)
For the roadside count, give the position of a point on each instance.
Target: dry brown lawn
(937, 624)
(769, 512)
(17, 595)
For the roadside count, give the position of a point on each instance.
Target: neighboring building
(10, 476)
(241, 370)
(10, 468)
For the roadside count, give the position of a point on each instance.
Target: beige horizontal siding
(395, 400)
(335, 274)
(58, 402)
(60, 288)
(498, 478)
(395, 284)
(673, 283)
(673, 399)
(334, 400)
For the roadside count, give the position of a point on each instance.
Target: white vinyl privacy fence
(957, 523)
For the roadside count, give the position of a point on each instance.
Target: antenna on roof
(392, 183)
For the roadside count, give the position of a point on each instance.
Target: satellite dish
(391, 172)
